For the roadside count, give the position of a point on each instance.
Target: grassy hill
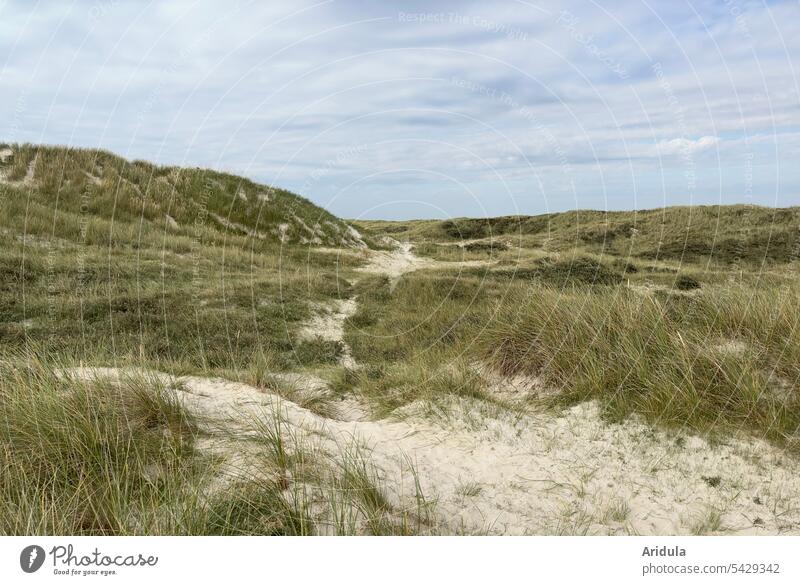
(104, 257)
(684, 319)
(102, 187)
(718, 234)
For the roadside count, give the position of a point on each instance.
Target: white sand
(395, 263)
(93, 179)
(27, 180)
(491, 471)
(494, 471)
(328, 324)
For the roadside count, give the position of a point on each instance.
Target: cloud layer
(425, 109)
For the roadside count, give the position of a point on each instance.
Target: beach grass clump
(93, 457)
(717, 362)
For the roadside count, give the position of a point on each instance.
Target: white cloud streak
(461, 108)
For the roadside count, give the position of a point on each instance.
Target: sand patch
(395, 263)
(27, 180)
(538, 473)
(402, 260)
(328, 324)
(355, 237)
(237, 227)
(93, 179)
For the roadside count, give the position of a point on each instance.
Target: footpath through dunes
(492, 471)
(328, 322)
(486, 469)
(402, 260)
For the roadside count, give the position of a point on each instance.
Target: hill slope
(723, 234)
(101, 185)
(128, 260)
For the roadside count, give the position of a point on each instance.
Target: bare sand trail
(493, 471)
(328, 322)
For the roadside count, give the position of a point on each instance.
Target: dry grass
(665, 357)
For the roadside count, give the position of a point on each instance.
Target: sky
(399, 110)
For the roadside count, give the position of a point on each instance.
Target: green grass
(717, 362)
(91, 268)
(721, 359)
(684, 317)
(137, 195)
(101, 457)
(83, 458)
(726, 235)
(565, 272)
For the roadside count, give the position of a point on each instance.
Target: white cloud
(608, 100)
(685, 146)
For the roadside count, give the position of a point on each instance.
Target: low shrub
(686, 282)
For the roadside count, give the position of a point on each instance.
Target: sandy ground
(402, 260)
(328, 324)
(27, 180)
(395, 263)
(493, 472)
(490, 470)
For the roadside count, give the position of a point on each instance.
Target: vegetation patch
(582, 270)
(686, 282)
(647, 355)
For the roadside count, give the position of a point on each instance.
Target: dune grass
(685, 317)
(127, 290)
(712, 363)
(715, 359)
(101, 186)
(727, 235)
(95, 456)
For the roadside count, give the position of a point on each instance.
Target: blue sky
(425, 109)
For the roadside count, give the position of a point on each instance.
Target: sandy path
(328, 324)
(490, 470)
(27, 180)
(402, 260)
(395, 263)
(543, 474)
